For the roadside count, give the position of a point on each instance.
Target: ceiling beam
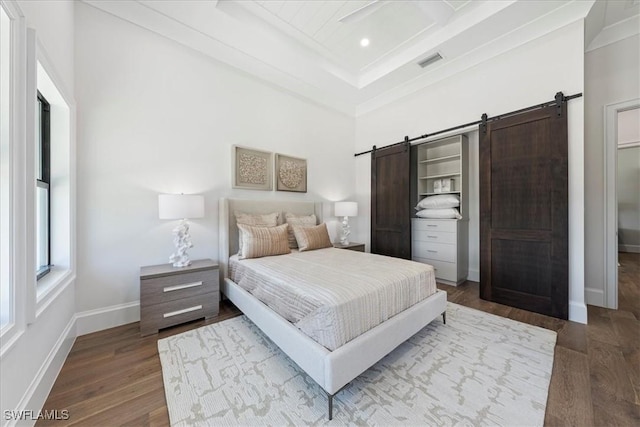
(362, 12)
(438, 10)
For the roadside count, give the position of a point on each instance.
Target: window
(43, 184)
(5, 170)
(51, 170)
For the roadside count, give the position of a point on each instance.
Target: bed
(331, 369)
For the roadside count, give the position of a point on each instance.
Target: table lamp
(181, 206)
(345, 210)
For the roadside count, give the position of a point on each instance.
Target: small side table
(171, 295)
(352, 246)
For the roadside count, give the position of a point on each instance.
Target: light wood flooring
(113, 377)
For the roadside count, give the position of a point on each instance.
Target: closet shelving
(443, 243)
(446, 158)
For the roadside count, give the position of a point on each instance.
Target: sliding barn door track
(558, 100)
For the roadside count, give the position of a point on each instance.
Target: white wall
(611, 76)
(155, 117)
(32, 358)
(629, 126)
(525, 76)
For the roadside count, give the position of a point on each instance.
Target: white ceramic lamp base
(182, 241)
(346, 231)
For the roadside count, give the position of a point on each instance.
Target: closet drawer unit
(435, 237)
(447, 225)
(444, 270)
(437, 251)
(158, 290)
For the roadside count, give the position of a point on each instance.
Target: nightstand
(171, 295)
(352, 246)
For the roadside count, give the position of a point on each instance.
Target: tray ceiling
(313, 47)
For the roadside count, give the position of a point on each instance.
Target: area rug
(478, 369)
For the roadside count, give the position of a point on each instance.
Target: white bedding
(334, 295)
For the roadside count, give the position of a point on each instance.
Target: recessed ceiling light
(364, 42)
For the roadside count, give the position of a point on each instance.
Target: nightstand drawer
(158, 316)
(437, 251)
(169, 288)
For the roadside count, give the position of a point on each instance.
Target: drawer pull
(432, 237)
(178, 287)
(432, 225)
(185, 310)
(433, 252)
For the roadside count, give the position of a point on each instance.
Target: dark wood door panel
(521, 176)
(390, 202)
(391, 244)
(521, 266)
(524, 212)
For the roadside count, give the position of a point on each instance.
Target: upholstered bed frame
(332, 370)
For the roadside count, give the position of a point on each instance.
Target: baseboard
(107, 317)
(474, 275)
(594, 297)
(629, 248)
(39, 389)
(578, 312)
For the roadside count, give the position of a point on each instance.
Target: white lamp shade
(346, 209)
(180, 206)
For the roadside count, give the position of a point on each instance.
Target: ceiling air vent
(430, 60)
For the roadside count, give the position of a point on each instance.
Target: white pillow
(447, 213)
(439, 201)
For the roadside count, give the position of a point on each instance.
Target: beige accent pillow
(258, 242)
(263, 220)
(298, 221)
(310, 238)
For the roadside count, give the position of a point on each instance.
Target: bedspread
(334, 295)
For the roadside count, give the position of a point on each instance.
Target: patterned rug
(478, 369)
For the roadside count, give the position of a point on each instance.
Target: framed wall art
(291, 174)
(252, 169)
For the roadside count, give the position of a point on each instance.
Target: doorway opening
(622, 143)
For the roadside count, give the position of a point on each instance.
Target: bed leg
(444, 317)
(330, 398)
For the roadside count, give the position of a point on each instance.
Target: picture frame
(290, 173)
(252, 169)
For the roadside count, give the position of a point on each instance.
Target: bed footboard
(333, 370)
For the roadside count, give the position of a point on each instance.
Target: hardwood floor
(114, 377)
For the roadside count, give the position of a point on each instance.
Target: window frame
(43, 174)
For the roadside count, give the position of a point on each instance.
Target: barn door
(524, 211)
(390, 204)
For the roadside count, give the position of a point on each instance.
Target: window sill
(49, 286)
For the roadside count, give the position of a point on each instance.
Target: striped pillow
(298, 221)
(310, 238)
(258, 242)
(263, 220)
